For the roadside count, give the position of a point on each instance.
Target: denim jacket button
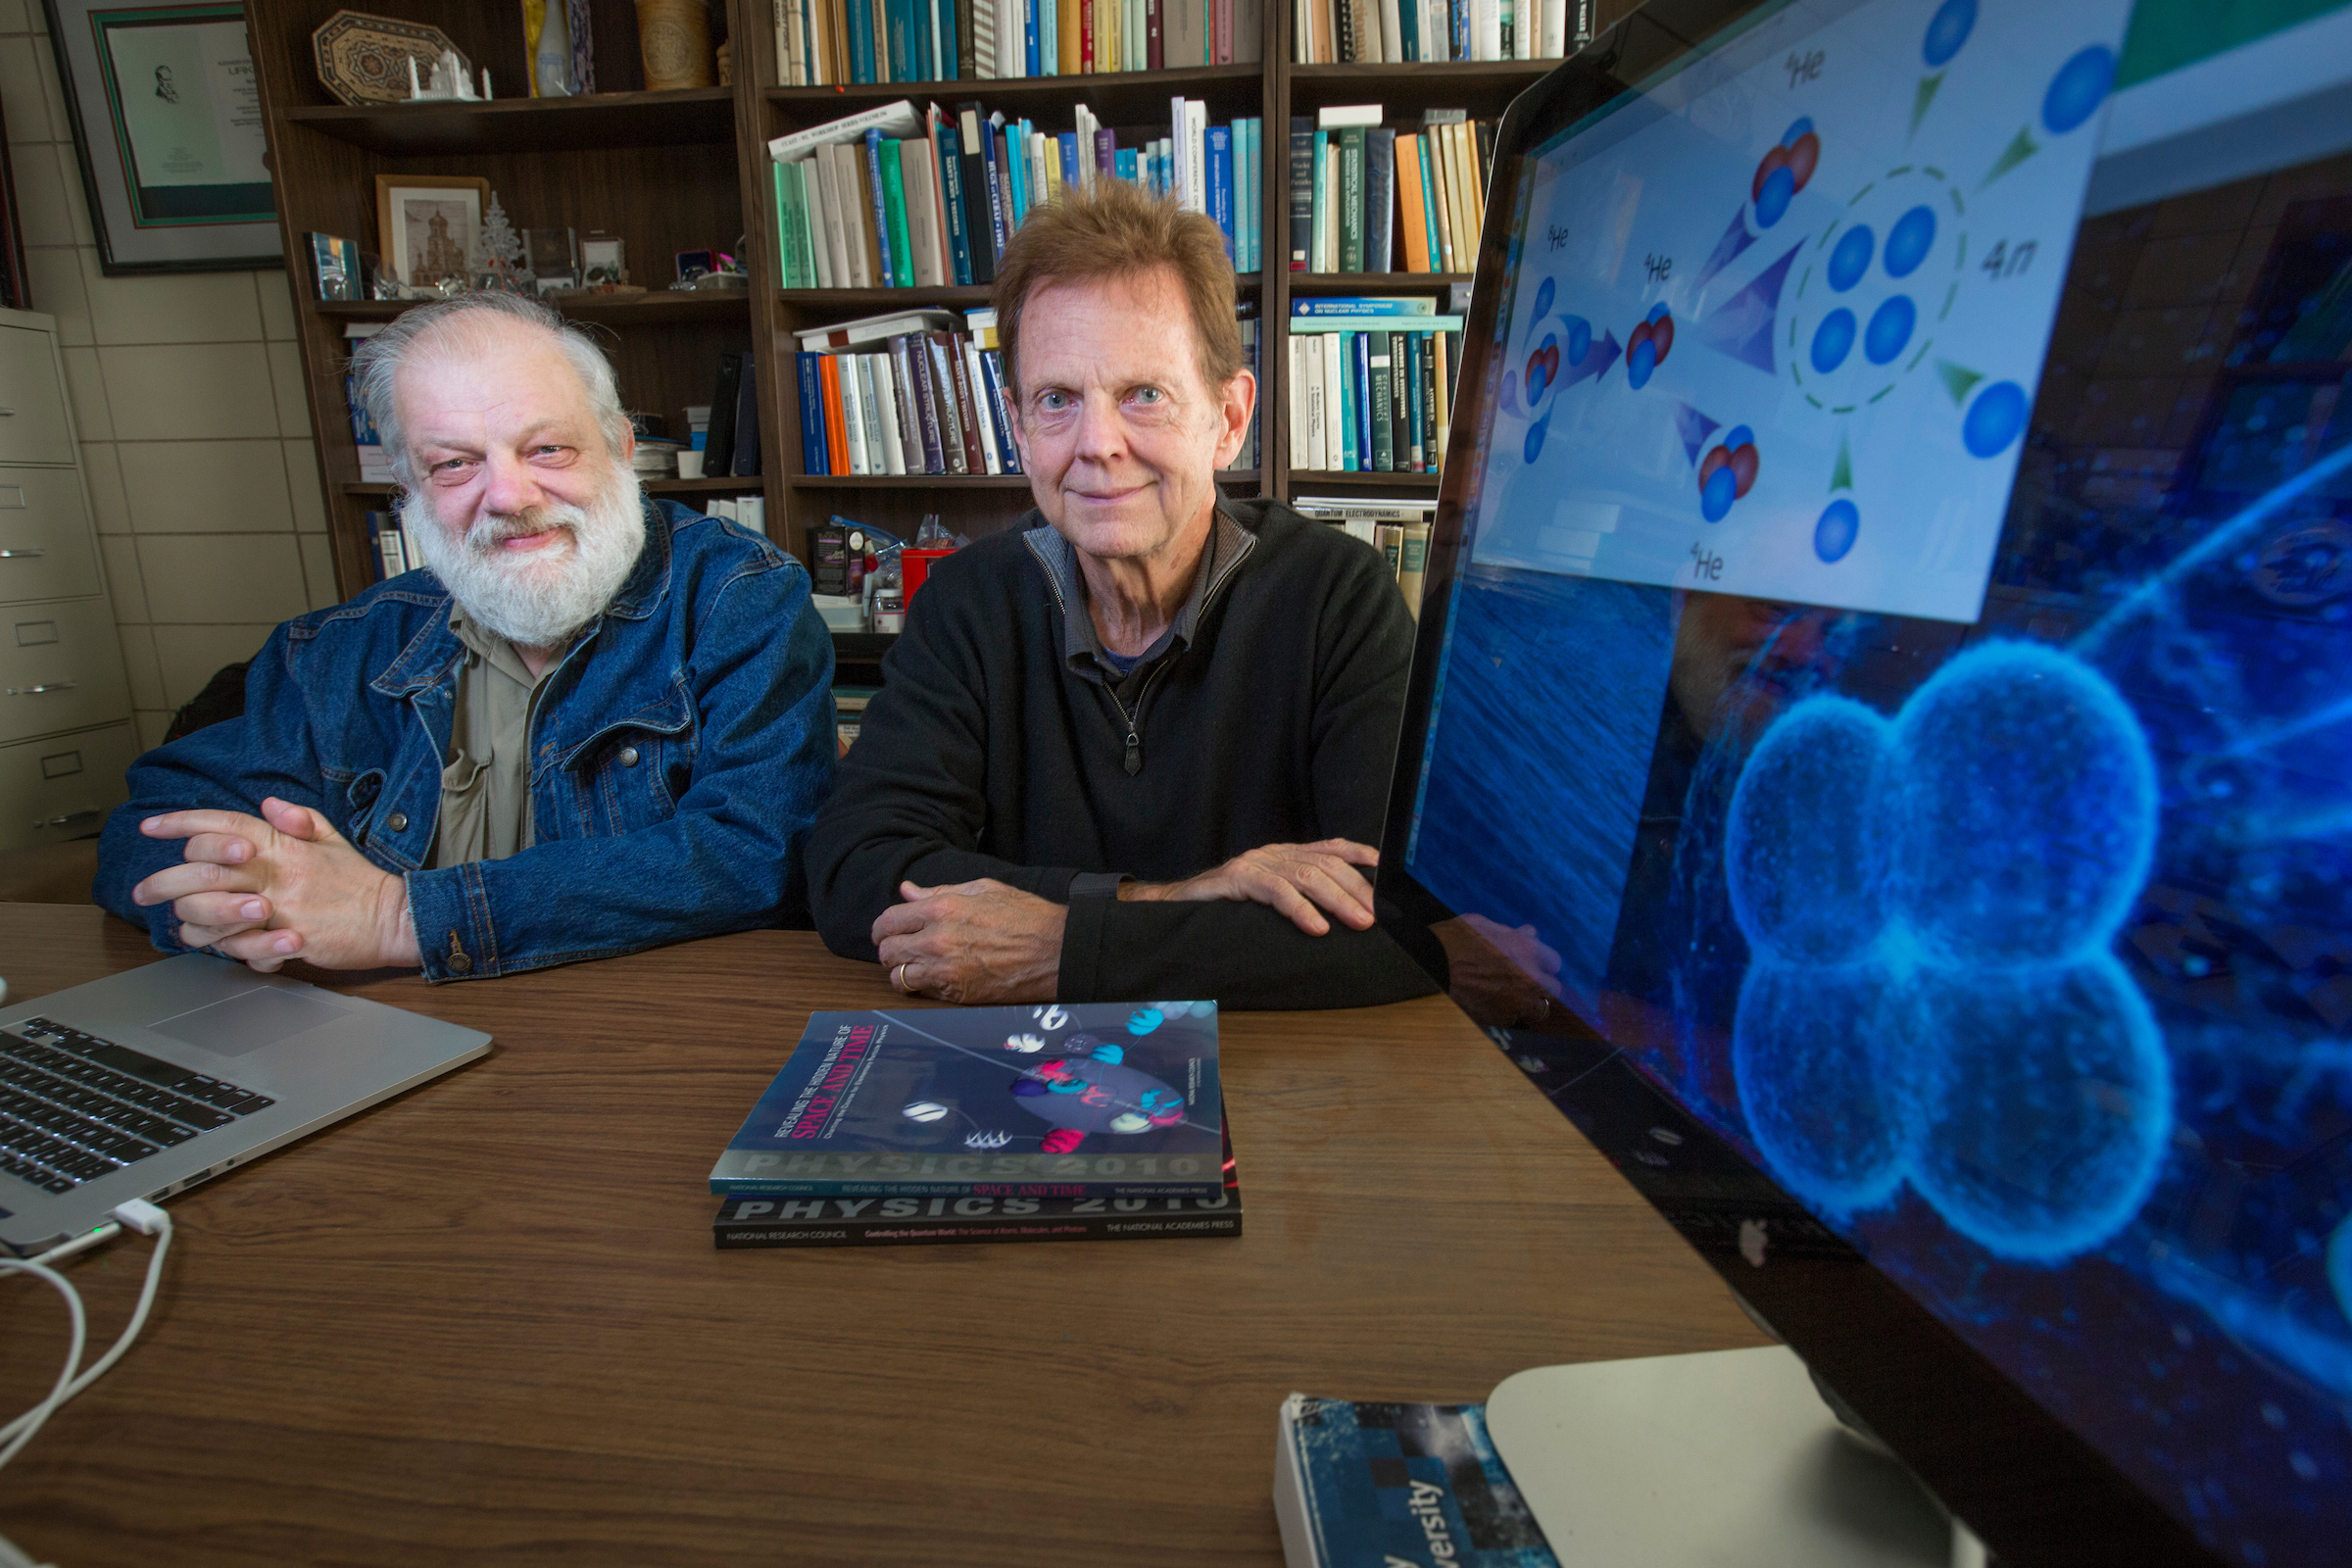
(397, 821)
(460, 963)
(628, 756)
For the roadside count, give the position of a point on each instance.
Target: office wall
(187, 390)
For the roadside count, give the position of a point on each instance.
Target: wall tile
(206, 486)
(123, 580)
(153, 725)
(21, 95)
(319, 570)
(193, 655)
(293, 399)
(61, 123)
(182, 392)
(277, 305)
(13, 16)
(145, 670)
(42, 206)
(172, 306)
(93, 420)
(221, 578)
(305, 487)
(105, 476)
(54, 274)
(77, 202)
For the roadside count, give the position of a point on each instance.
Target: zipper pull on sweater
(1135, 752)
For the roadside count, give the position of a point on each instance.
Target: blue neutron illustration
(1930, 904)
(1780, 246)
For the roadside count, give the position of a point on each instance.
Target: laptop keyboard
(75, 1108)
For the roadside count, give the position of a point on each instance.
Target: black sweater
(986, 755)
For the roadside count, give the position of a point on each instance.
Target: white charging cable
(137, 1214)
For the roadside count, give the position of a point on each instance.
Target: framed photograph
(426, 225)
(168, 125)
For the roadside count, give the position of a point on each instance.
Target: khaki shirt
(486, 783)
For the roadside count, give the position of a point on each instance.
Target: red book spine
(1221, 30)
(1086, 35)
(1155, 53)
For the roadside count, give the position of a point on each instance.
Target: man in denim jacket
(592, 725)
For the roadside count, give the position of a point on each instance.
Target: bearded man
(590, 725)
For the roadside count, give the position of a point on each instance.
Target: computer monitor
(1880, 746)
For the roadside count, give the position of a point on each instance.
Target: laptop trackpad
(250, 1020)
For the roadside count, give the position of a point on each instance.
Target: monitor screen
(1887, 674)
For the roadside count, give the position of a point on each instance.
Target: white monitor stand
(1726, 1459)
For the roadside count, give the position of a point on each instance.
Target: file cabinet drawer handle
(36, 691)
(69, 817)
(19, 555)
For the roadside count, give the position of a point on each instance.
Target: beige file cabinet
(65, 734)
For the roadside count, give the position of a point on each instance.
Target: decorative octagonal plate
(365, 59)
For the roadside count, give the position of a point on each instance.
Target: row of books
(893, 198)
(1328, 32)
(1064, 1122)
(826, 42)
(1370, 198)
(1399, 529)
(916, 392)
(1371, 384)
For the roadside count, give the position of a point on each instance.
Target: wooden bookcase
(682, 171)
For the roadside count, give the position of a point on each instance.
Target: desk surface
(485, 1322)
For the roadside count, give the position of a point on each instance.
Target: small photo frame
(605, 260)
(426, 225)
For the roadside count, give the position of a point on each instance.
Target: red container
(914, 566)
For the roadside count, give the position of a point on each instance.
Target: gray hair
(380, 360)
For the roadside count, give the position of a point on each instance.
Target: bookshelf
(689, 170)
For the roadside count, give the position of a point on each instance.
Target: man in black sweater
(1139, 746)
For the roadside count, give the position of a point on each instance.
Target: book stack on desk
(1061, 1122)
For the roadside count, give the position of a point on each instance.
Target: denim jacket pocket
(629, 774)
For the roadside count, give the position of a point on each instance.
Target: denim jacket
(679, 752)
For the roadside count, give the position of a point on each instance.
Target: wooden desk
(485, 1322)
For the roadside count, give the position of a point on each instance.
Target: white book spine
(852, 413)
(1335, 401)
(1318, 411)
(1012, 55)
(1490, 29)
(1330, 216)
(990, 456)
(886, 402)
(1555, 28)
(1176, 137)
(1195, 151)
(877, 451)
(937, 41)
(1296, 347)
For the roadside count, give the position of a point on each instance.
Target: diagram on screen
(1779, 334)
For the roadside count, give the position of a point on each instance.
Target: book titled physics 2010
(1077, 1099)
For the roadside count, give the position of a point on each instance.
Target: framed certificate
(168, 124)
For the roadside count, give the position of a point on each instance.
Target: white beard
(541, 599)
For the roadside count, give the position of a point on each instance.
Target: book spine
(812, 415)
(899, 27)
(859, 170)
(1431, 206)
(1376, 402)
(1380, 199)
(908, 391)
(1360, 382)
(999, 202)
(837, 440)
(1441, 399)
(1302, 191)
(1155, 43)
(788, 1223)
(984, 40)
(1049, 37)
(1029, 39)
(880, 420)
(951, 205)
(1401, 434)
(1417, 456)
(1343, 29)
(992, 368)
(719, 448)
(967, 408)
(1320, 258)
(861, 40)
(1333, 387)
(942, 392)
(1350, 395)
(1219, 180)
(843, 1187)
(1352, 199)
(910, 346)
(901, 238)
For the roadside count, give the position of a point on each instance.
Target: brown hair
(1118, 230)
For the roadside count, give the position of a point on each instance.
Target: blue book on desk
(1069, 1099)
(1409, 1485)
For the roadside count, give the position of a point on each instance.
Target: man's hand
(1293, 878)
(975, 942)
(279, 886)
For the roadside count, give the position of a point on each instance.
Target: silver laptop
(150, 1081)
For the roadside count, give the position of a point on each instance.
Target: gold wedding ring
(898, 978)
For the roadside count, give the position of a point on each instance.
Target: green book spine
(1350, 395)
(894, 197)
(792, 228)
(1383, 447)
(1318, 260)
(1352, 199)
(1429, 204)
